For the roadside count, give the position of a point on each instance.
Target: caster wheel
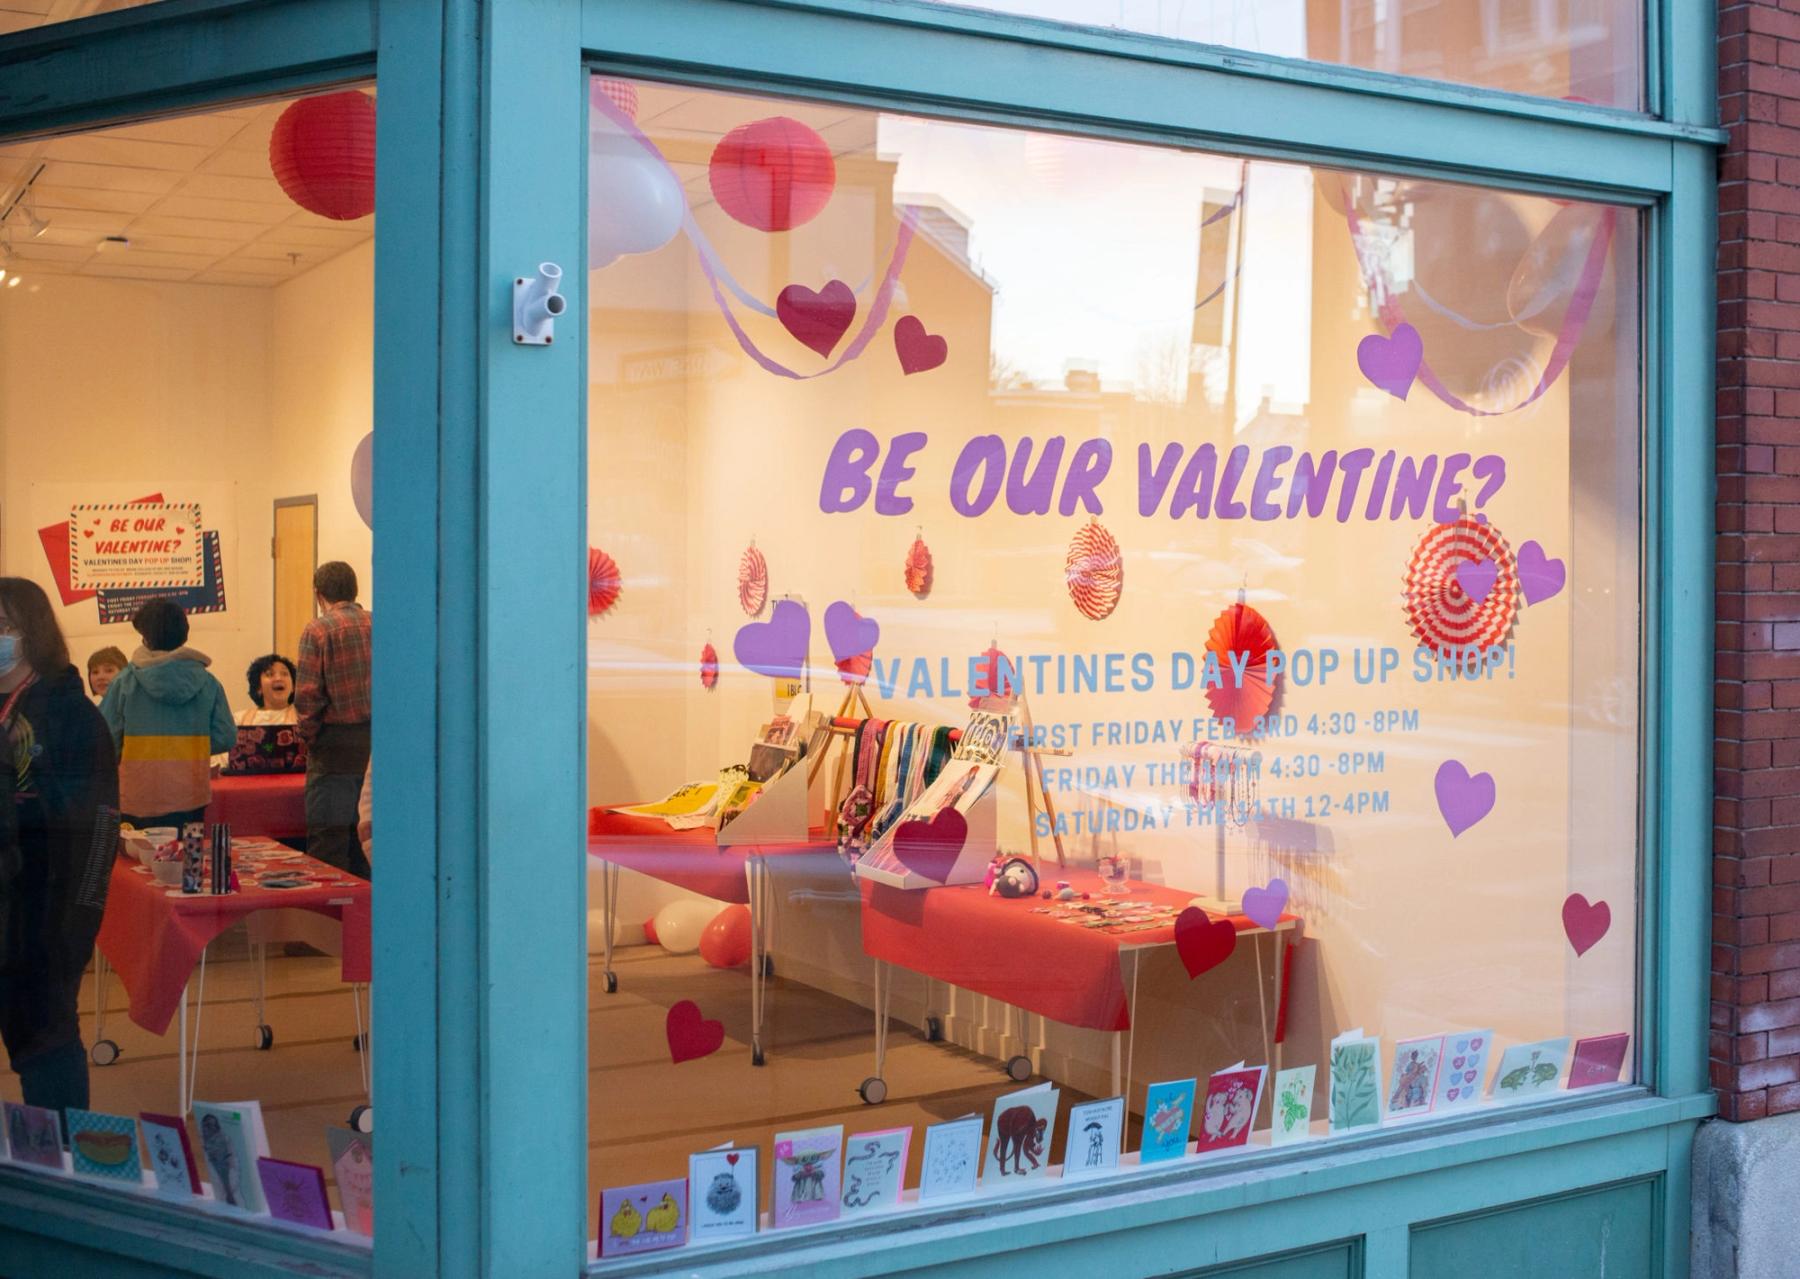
(934, 1030)
(359, 1042)
(756, 1055)
(104, 1052)
(1018, 1068)
(612, 982)
(265, 1038)
(768, 965)
(872, 1090)
(362, 1119)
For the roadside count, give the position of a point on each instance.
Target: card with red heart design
(1465, 1066)
(722, 1194)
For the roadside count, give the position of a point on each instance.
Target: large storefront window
(185, 576)
(1113, 654)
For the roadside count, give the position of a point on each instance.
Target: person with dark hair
(169, 717)
(334, 704)
(103, 666)
(59, 833)
(272, 678)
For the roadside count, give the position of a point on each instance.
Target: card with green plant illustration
(1292, 1114)
(1355, 1081)
(1528, 1069)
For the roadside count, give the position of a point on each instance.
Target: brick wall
(1756, 732)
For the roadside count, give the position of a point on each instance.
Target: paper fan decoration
(709, 665)
(1449, 561)
(993, 686)
(1095, 571)
(918, 568)
(1242, 632)
(854, 669)
(603, 581)
(753, 581)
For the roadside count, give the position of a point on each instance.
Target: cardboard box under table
(998, 947)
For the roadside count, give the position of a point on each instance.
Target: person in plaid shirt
(332, 700)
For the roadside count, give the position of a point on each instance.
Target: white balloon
(679, 924)
(635, 205)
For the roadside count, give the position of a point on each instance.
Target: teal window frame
(481, 504)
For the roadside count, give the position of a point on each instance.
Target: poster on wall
(55, 540)
(125, 545)
(208, 597)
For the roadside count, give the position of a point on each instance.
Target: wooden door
(295, 548)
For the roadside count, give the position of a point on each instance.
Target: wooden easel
(1031, 760)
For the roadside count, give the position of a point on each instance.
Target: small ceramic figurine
(1011, 877)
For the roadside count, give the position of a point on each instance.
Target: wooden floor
(646, 1115)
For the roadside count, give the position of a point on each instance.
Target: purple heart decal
(1477, 577)
(1540, 577)
(817, 320)
(1469, 1076)
(1264, 905)
(931, 848)
(1475, 1044)
(777, 647)
(1392, 363)
(1462, 799)
(1453, 1094)
(1457, 1063)
(848, 632)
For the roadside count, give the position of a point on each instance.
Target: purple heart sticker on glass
(1475, 1044)
(1540, 577)
(1456, 1063)
(1453, 1094)
(1477, 577)
(1392, 363)
(777, 647)
(1468, 1076)
(848, 632)
(1462, 799)
(1264, 905)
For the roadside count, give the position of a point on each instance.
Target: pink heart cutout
(1457, 1064)
(1202, 941)
(919, 351)
(1540, 577)
(691, 1036)
(817, 320)
(1585, 924)
(931, 848)
(1475, 1044)
(1469, 1076)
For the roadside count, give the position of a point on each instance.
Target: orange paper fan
(1241, 636)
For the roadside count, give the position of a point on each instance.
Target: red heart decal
(1201, 941)
(931, 848)
(87, 532)
(918, 350)
(179, 529)
(732, 1158)
(1585, 924)
(691, 1037)
(817, 320)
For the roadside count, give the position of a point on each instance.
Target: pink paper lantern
(773, 174)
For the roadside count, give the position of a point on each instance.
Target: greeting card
(34, 1135)
(104, 1145)
(1291, 1115)
(808, 1176)
(1413, 1086)
(875, 1170)
(643, 1218)
(1598, 1060)
(232, 1138)
(1464, 1066)
(722, 1187)
(1018, 1144)
(1095, 1128)
(1232, 1096)
(353, 1168)
(295, 1192)
(1355, 1081)
(952, 1158)
(1168, 1114)
(170, 1155)
(1528, 1069)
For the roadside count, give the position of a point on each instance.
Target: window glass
(185, 428)
(1589, 50)
(24, 15)
(1158, 625)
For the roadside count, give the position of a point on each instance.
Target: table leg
(609, 921)
(362, 1058)
(881, 1018)
(759, 941)
(1279, 949)
(1262, 1002)
(101, 968)
(1137, 964)
(181, 1096)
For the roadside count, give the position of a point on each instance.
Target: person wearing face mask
(59, 833)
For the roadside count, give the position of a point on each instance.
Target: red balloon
(773, 174)
(726, 941)
(650, 930)
(322, 152)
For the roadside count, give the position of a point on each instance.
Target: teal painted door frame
(480, 471)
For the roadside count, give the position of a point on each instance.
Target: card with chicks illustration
(643, 1218)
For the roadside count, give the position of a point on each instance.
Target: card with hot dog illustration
(104, 1145)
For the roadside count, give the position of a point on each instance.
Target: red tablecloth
(154, 940)
(688, 859)
(272, 804)
(995, 946)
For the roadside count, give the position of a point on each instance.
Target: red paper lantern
(323, 153)
(773, 174)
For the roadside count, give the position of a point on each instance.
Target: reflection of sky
(1266, 26)
(1094, 247)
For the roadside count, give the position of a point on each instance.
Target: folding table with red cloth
(996, 946)
(694, 859)
(155, 937)
(271, 804)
